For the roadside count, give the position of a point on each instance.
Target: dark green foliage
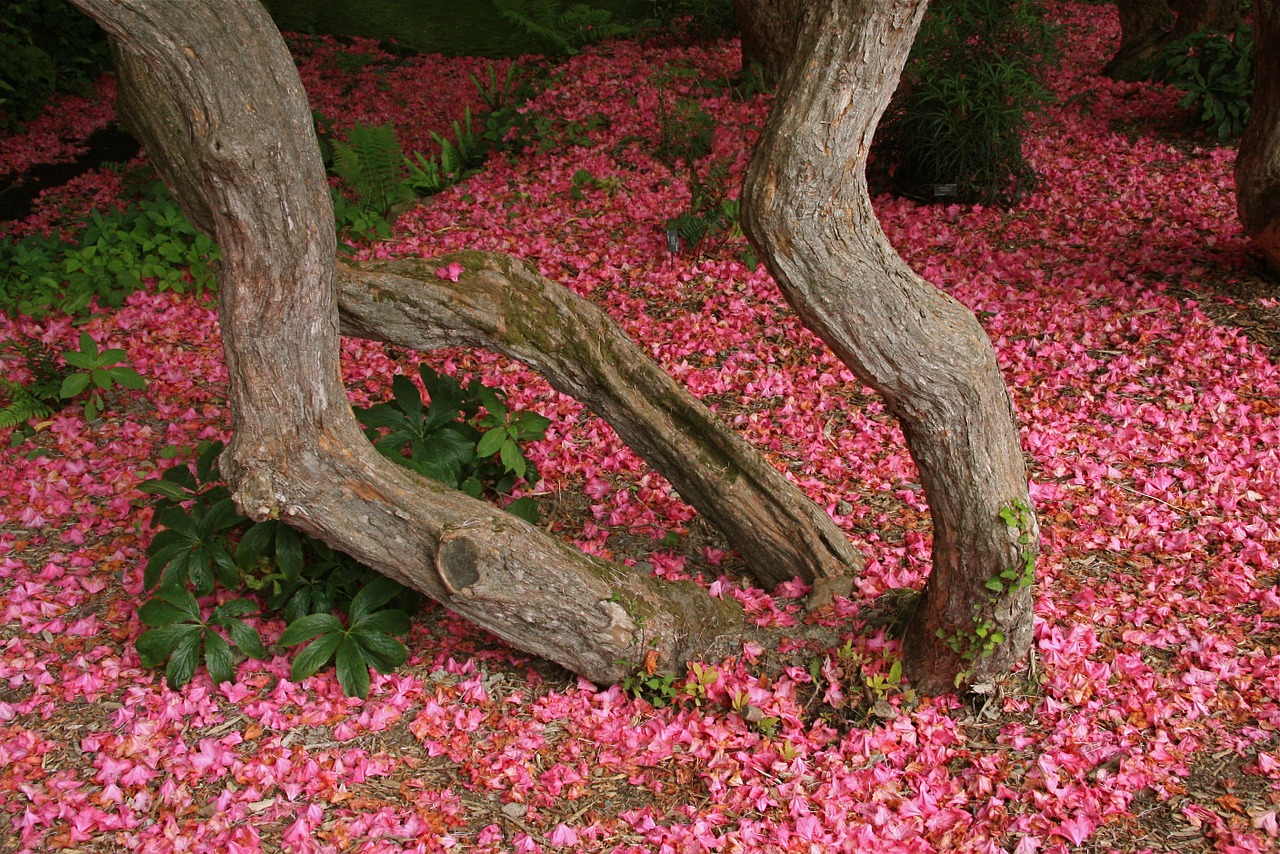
(39, 395)
(560, 31)
(1215, 71)
(370, 163)
(688, 132)
(99, 371)
(205, 543)
(46, 46)
(112, 255)
(178, 633)
(695, 20)
(367, 640)
(954, 129)
(449, 441)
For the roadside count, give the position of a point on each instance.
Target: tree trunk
(1144, 31)
(499, 303)
(1221, 16)
(297, 452)
(769, 29)
(1147, 26)
(807, 210)
(1258, 164)
(502, 305)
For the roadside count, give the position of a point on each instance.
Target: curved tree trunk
(807, 210)
(297, 452)
(501, 304)
(1258, 164)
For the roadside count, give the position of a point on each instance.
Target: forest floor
(1140, 342)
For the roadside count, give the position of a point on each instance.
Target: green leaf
(185, 658)
(995, 584)
(217, 657)
(254, 544)
(289, 555)
(353, 670)
(221, 516)
(408, 398)
(171, 606)
(391, 621)
(73, 385)
(513, 459)
(315, 656)
(158, 644)
(491, 441)
(372, 596)
(127, 378)
(246, 638)
(525, 508)
(305, 628)
(383, 651)
(164, 488)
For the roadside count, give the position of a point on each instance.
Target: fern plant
(369, 161)
(39, 395)
(561, 31)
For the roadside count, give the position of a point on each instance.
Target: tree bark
(502, 305)
(807, 210)
(499, 303)
(1144, 31)
(769, 29)
(1147, 26)
(1258, 163)
(297, 452)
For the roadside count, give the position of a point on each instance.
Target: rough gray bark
(297, 452)
(1258, 164)
(807, 210)
(769, 29)
(504, 306)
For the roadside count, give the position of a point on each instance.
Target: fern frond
(22, 405)
(370, 162)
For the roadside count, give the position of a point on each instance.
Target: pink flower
(451, 272)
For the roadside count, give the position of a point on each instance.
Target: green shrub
(46, 46)
(1215, 71)
(561, 31)
(954, 129)
(204, 543)
(108, 259)
(694, 20)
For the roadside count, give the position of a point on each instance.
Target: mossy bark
(249, 153)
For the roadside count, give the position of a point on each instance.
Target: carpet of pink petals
(1153, 434)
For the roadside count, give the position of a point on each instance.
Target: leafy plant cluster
(46, 46)
(851, 683)
(1215, 72)
(561, 31)
(954, 129)
(693, 20)
(343, 611)
(54, 379)
(378, 177)
(110, 257)
(984, 637)
(665, 689)
(688, 132)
